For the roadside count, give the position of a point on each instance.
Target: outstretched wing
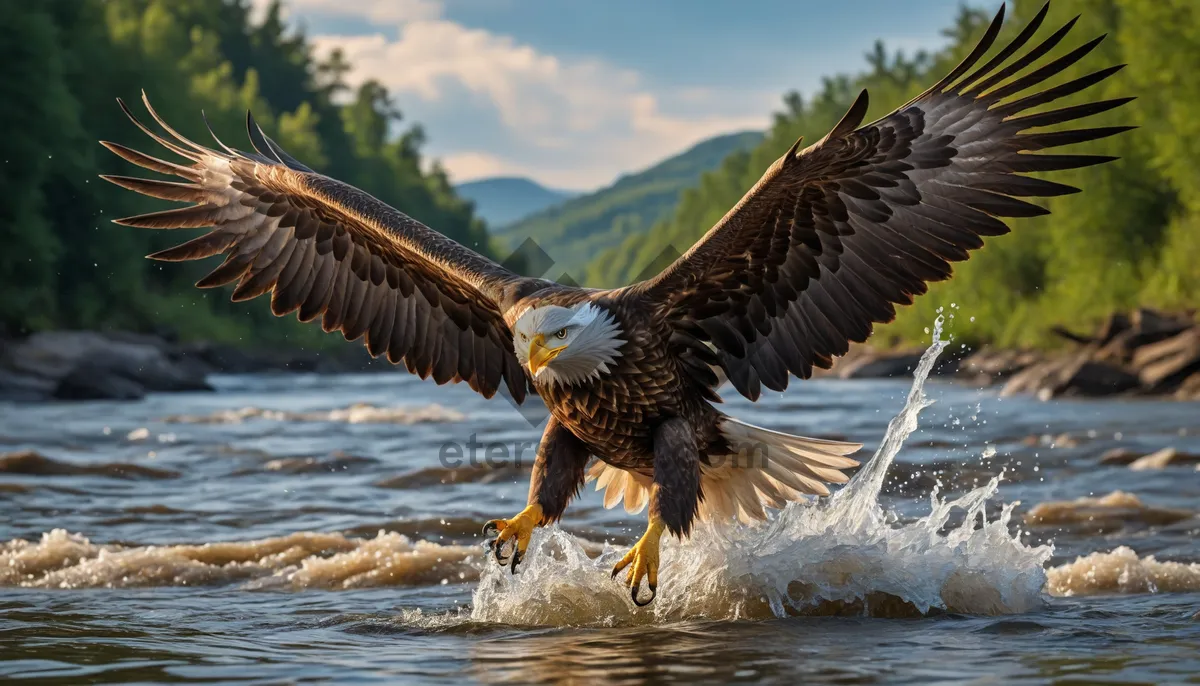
(329, 250)
(834, 236)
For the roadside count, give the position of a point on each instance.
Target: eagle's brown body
(616, 417)
(828, 243)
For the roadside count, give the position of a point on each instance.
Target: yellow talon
(643, 557)
(518, 529)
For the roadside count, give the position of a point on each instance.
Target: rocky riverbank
(88, 365)
(1142, 353)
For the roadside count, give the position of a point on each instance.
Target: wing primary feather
(853, 116)
(1025, 162)
(1014, 45)
(212, 133)
(1053, 139)
(259, 281)
(1066, 114)
(1044, 72)
(197, 148)
(1060, 91)
(182, 152)
(145, 161)
(212, 243)
(163, 190)
(253, 128)
(322, 289)
(274, 151)
(191, 217)
(1025, 60)
(969, 61)
(232, 269)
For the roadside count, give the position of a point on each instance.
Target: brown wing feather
(329, 250)
(833, 237)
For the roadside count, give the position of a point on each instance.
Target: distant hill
(503, 200)
(575, 231)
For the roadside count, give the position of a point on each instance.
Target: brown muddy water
(301, 528)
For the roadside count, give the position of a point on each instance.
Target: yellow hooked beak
(540, 355)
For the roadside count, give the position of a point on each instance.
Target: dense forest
(1131, 238)
(64, 264)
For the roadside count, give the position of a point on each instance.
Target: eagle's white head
(567, 345)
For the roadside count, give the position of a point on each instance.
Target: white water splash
(843, 555)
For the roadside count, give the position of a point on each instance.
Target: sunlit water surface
(296, 528)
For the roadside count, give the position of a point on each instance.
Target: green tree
(1131, 238)
(67, 265)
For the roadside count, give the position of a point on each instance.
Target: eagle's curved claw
(518, 530)
(642, 561)
(495, 545)
(633, 593)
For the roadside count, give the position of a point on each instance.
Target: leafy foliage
(64, 263)
(1132, 237)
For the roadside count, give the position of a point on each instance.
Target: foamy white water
(843, 555)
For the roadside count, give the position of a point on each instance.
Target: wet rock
(228, 359)
(885, 364)
(1154, 323)
(1086, 377)
(1075, 375)
(358, 413)
(1166, 364)
(1167, 457)
(875, 365)
(1116, 324)
(85, 365)
(93, 381)
(1190, 388)
(22, 387)
(1145, 352)
(989, 365)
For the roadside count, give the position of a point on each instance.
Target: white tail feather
(768, 468)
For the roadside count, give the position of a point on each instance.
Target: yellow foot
(518, 530)
(644, 558)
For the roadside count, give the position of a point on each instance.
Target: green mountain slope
(505, 199)
(575, 231)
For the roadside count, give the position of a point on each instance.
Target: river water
(298, 528)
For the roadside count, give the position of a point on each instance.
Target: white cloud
(377, 11)
(471, 165)
(570, 123)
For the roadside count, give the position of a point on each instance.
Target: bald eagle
(828, 242)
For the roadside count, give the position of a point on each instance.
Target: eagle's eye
(524, 337)
(561, 333)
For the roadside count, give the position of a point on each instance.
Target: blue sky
(573, 93)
